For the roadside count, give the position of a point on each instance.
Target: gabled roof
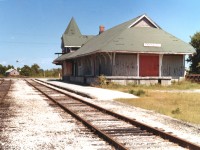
(72, 36)
(129, 38)
(10, 70)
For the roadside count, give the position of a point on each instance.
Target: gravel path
(30, 123)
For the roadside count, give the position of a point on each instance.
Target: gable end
(144, 21)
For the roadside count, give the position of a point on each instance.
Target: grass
(181, 105)
(183, 85)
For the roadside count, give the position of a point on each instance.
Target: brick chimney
(101, 29)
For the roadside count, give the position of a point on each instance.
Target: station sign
(152, 45)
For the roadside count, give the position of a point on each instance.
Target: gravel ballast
(30, 123)
(182, 129)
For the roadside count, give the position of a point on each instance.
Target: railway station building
(137, 51)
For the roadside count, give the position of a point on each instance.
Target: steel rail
(6, 90)
(155, 131)
(102, 134)
(72, 91)
(1, 81)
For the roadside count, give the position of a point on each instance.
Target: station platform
(91, 92)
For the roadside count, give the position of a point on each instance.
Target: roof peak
(139, 18)
(72, 28)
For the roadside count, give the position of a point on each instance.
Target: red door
(149, 65)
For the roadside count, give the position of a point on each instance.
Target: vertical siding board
(68, 68)
(103, 65)
(173, 66)
(97, 64)
(65, 68)
(125, 65)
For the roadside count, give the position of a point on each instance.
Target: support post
(138, 65)
(160, 64)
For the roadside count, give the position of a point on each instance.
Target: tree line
(195, 58)
(31, 71)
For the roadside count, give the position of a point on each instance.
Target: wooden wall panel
(67, 68)
(173, 65)
(103, 65)
(125, 65)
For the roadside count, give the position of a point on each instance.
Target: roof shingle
(130, 39)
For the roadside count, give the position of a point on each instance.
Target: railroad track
(193, 77)
(119, 131)
(4, 88)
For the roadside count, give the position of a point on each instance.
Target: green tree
(35, 70)
(56, 72)
(2, 69)
(9, 67)
(195, 58)
(25, 71)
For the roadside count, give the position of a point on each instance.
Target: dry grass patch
(183, 85)
(184, 106)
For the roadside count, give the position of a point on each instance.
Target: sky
(31, 30)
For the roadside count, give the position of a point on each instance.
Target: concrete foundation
(140, 80)
(123, 80)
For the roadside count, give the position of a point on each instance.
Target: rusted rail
(1, 81)
(4, 88)
(109, 138)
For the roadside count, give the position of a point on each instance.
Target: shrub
(176, 111)
(138, 92)
(102, 80)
